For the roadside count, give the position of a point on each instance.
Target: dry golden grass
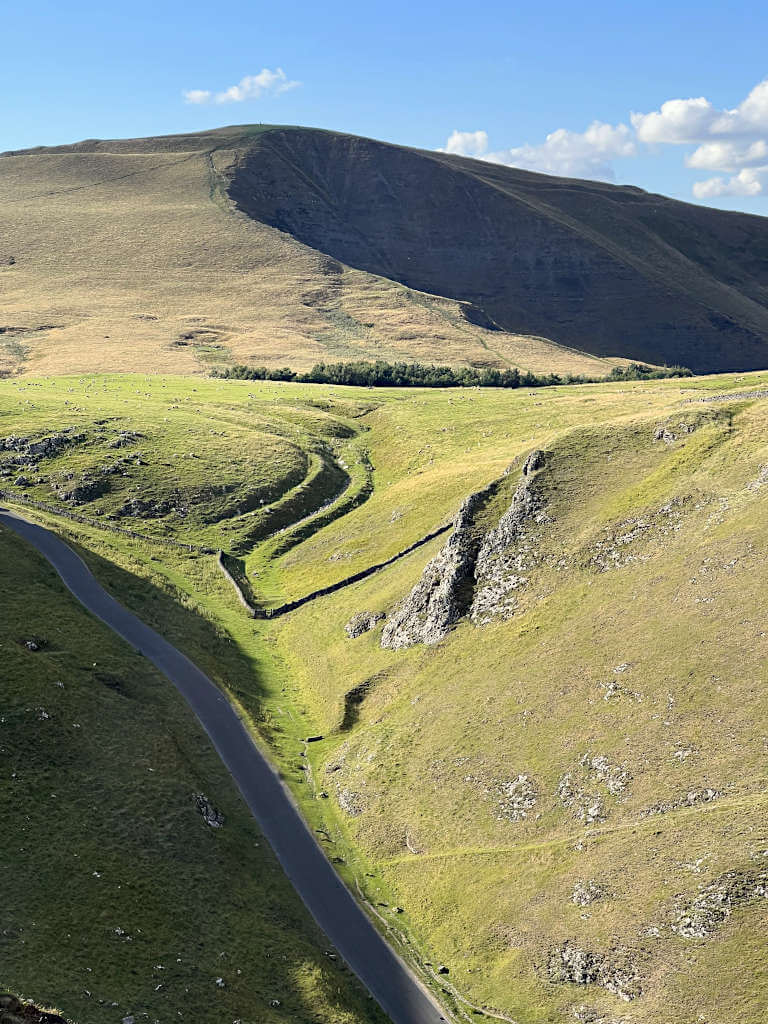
(118, 256)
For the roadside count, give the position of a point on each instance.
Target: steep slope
(129, 255)
(133, 874)
(567, 792)
(280, 245)
(605, 269)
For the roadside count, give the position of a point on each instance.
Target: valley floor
(562, 801)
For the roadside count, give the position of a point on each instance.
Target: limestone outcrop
(474, 573)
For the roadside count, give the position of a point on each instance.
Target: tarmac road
(385, 975)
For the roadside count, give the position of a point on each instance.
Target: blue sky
(552, 86)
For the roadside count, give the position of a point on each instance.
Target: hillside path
(348, 928)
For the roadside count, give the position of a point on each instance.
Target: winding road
(386, 976)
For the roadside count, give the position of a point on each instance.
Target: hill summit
(290, 245)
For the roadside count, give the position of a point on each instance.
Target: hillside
(130, 256)
(120, 898)
(278, 245)
(560, 796)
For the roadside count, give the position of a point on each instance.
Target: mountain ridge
(610, 271)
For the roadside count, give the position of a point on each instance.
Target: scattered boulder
(617, 973)
(362, 622)
(517, 797)
(211, 816)
(585, 893)
(715, 902)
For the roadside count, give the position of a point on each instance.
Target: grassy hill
(280, 245)
(131, 256)
(563, 801)
(119, 899)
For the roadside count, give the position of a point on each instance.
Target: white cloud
(467, 143)
(733, 142)
(197, 95)
(728, 156)
(251, 87)
(694, 120)
(750, 181)
(676, 121)
(564, 153)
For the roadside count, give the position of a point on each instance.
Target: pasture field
(564, 805)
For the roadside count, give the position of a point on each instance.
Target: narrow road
(386, 976)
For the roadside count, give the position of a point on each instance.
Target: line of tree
(381, 374)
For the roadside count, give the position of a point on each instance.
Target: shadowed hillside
(275, 246)
(610, 270)
(130, 255)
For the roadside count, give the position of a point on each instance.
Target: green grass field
(633, 664)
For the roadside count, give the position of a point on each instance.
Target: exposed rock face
(211, 815)
(144, 509)
(124, 439)
(618, 974)
(351, 802)
(443, 593)
(670, 433)
(691, 798)
(32, 451)
(717, 901)
(577, 790)
(84, 490)
(504, 557)
(362, 623)
(473, 572)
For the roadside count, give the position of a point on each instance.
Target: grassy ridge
(676, 625)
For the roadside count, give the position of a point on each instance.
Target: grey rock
(85, 490)
(124, 439)
(700, 917)
(350, 802)
(518, 797)
(144, 508)
(585, 893)
(444, 594)
(618, 973)
(690, 799)
(504, 558)
(211, 816)
(362, 622)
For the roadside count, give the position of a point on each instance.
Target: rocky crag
(476, 573)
